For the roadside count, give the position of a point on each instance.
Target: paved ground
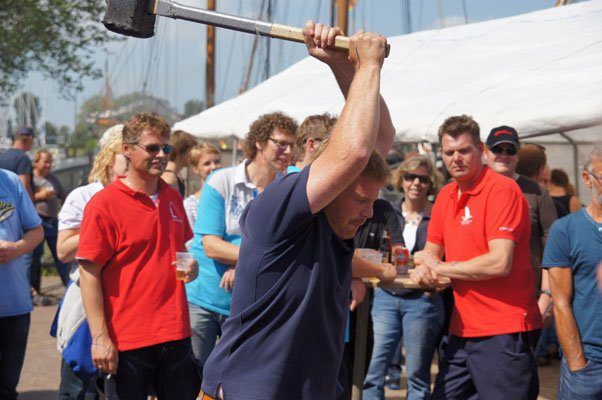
(41, 371)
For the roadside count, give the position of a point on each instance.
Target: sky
(171, 65)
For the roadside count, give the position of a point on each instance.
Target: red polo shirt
(135, 242)
(494, 208)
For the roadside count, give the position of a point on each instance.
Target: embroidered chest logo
(236, 207)
(173, 211)
(6, 210)
(466, 218)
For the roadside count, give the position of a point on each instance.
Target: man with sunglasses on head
(480, 226)
(268, 148)
(137, 309)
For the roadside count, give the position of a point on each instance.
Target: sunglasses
(511, 151)
(282, 144)
(154, 147)
(421, 178)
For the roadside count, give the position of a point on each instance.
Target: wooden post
(210, 61)
(342, 14)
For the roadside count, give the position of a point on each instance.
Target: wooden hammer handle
(296, 35)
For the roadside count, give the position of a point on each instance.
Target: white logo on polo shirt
(466, 218)
(174, 212)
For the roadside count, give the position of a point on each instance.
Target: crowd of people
(506, 261)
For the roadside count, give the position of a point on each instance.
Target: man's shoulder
(528, 186)
(8, 176)
(570, 223)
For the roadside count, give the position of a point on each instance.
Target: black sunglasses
(154, 147)
(511, 151)
(412, 177)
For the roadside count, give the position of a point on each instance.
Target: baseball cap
(502, 134)
(25, 130)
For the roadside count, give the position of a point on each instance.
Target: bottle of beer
(385, 246)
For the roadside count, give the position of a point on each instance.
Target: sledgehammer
(137, 18)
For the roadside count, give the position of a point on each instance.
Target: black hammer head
(130, 17)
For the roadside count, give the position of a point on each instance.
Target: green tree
(55, 37)
(193, 107)
(27, 109)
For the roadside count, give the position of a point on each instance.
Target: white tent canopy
(539, 72)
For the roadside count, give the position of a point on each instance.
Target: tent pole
(575, 161)
(234, 151)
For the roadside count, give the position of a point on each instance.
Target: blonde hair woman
(204, 159)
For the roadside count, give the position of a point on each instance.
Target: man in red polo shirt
(480, 223)
(137, 309)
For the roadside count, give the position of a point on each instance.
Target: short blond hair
(104, 160)
(195, 154)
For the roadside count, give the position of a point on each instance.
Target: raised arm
(343, 69)
(354, 136)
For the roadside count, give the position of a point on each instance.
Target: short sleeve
(211, 214)
(27, 211)
(557, 251)
(97, 236)
(435, 226)
(281, 211)
(24, 166)
(72, 212)
(506, 211)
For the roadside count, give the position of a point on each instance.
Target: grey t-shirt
(49, 208)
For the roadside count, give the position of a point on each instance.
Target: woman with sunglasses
(414, 315)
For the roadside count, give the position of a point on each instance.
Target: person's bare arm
(26, 180)
(170, 178)
(30, 240)
(219, 250)
(354, 135)
(495, 263)
(104, 352)
(544, 302)
(365, 269)
(343, 71)
(421, 273)
(67, 243)
(561, 284)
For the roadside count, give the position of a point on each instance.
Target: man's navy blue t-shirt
(16, 160)
(285, 335)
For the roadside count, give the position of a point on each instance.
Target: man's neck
(260, 173)
(595, 211)
(465, 186)
(148, 185)
(18, 145)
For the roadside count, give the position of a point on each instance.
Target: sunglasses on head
(154, 147)
(412, 177)
(511, 151)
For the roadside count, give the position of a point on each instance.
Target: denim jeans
(13, 343)
(50, 226)
(584, 384)
(418, 319)
(168, 367)
(206, 327)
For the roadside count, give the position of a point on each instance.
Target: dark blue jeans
(73, 387)
(489, 367)
(584, 384)
(50, 226)
(13, 343)
(168, 367)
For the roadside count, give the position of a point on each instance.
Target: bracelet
(546, 292)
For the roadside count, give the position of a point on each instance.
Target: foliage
(55, 37)
(193, 107)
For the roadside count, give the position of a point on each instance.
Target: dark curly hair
(458, 125)
(263, 127)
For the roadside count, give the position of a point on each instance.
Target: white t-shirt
(72, 212)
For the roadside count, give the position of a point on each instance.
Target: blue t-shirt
(575, 242)
(224, 196)
(17, 215)
(284, 337)
(17, 161)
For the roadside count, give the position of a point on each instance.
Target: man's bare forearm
(219, 250)
(92, 297)
(568, 336)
